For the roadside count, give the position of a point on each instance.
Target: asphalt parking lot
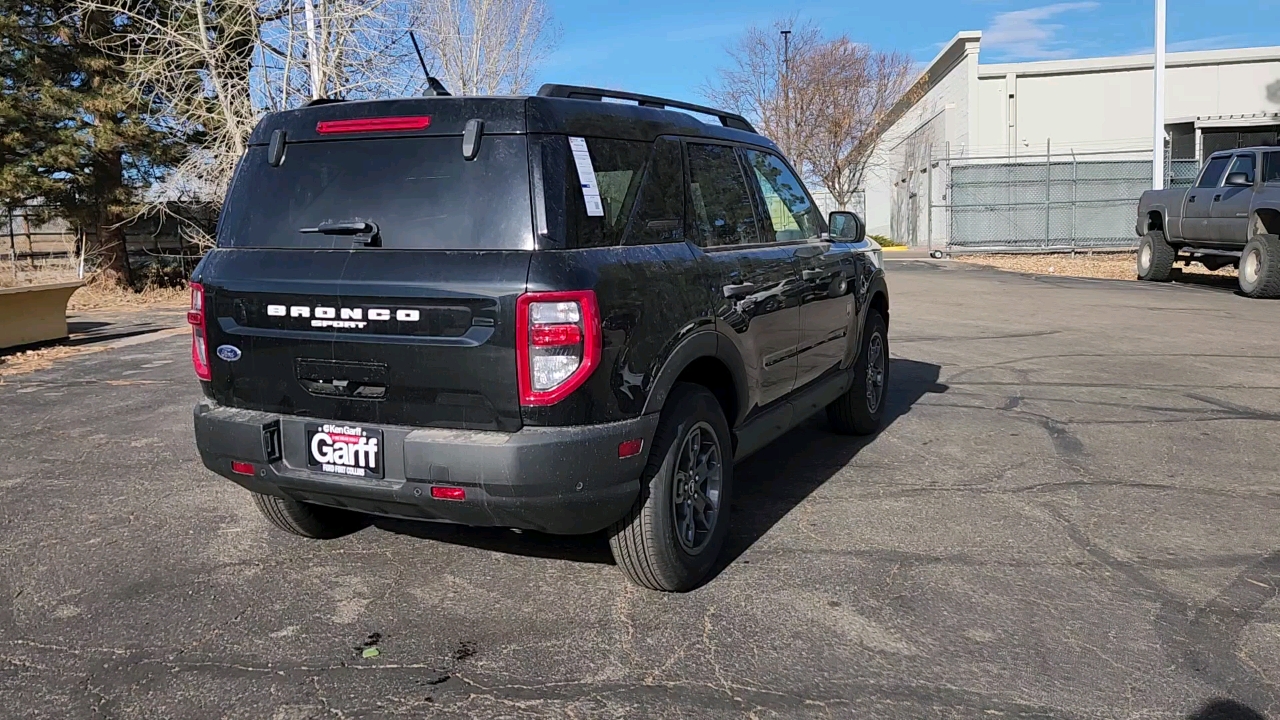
(1072, 514)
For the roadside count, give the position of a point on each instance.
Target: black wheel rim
(875, 372)
(697, 486)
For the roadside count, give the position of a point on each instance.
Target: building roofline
(951, 54)
(1131, 62)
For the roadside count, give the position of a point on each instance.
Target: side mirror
(846, 226)
(1238, 179)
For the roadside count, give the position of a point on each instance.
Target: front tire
(860, 411)
(676, 529)
(306, 520)
(1259, 275)
(1155, 257)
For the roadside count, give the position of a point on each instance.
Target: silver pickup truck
(1230, 217)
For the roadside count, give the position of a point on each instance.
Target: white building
(1214, 99)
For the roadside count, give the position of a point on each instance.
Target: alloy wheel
(698, 482)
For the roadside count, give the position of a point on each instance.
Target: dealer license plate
(350, 450)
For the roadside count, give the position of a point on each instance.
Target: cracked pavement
(1072, 514)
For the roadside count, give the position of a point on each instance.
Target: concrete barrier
(36, 313)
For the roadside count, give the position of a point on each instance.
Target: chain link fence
(1049, 202)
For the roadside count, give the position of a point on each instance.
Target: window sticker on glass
(586, 176)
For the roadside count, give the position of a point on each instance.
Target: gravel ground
(1107, 266)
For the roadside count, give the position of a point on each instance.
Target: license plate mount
(353, 451)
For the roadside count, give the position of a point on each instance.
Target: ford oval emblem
(230, 353)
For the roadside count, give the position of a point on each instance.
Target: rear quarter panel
(650, 301)
(1166, 202)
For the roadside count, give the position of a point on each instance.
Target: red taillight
(199, 338)
(382, 124)
(440, 492)
(557, 344)
(241, 468)
(555, 335)
(630, 448)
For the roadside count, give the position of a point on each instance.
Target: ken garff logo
(230, 353)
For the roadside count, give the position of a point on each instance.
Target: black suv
(552, 313)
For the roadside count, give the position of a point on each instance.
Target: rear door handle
(812, 274)
(1216, 198)
(737, 291)
(1191, 198)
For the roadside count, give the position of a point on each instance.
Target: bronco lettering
(323, 316)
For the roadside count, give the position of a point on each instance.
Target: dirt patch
(1108, 266)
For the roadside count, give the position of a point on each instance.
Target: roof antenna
(434, 86)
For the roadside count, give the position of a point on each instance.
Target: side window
(659, 213)
(718, 197)
(1271, 167)
(1244, 164)
(619, 167)
(1213, 172)
(793, 215)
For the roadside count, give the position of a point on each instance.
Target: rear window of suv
(420, 191)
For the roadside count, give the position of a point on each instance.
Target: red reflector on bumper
(441, 492)
(242, 468)
(630, 448)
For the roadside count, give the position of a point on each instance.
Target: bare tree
(855, 90)
(765, 80)
(486, 47)
(822, 101)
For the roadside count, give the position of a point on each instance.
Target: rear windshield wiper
(362, 231)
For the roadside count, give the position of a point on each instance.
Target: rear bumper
(564, 480)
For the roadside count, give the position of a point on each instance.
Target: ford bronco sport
(550, 313)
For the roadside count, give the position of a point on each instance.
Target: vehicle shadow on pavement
(1223, 709)
(771, 483)
(767, 485)
(1220, 282)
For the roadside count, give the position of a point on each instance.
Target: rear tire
(647, 544)
(860, 411)
(1155, 257)
(1259, 275)
(309, 521)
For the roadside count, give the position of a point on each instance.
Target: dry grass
(1110, 266)
(27, 361)
(102, 296)
(96, 294)
(41, 272)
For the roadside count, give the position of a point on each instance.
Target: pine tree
(74, 134)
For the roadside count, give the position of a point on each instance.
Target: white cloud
(1028, 34)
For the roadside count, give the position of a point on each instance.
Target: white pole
(1157, 155)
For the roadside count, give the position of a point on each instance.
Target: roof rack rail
(727, 119)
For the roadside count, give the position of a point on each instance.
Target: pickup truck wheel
(861, 409)
(673, 534)
(1259, 275)
(1155, 257)
(309, 521)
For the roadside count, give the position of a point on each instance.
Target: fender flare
(705, 343)
(1160, 210)
(877, 286)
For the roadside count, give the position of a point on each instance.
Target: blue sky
(670, 48)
